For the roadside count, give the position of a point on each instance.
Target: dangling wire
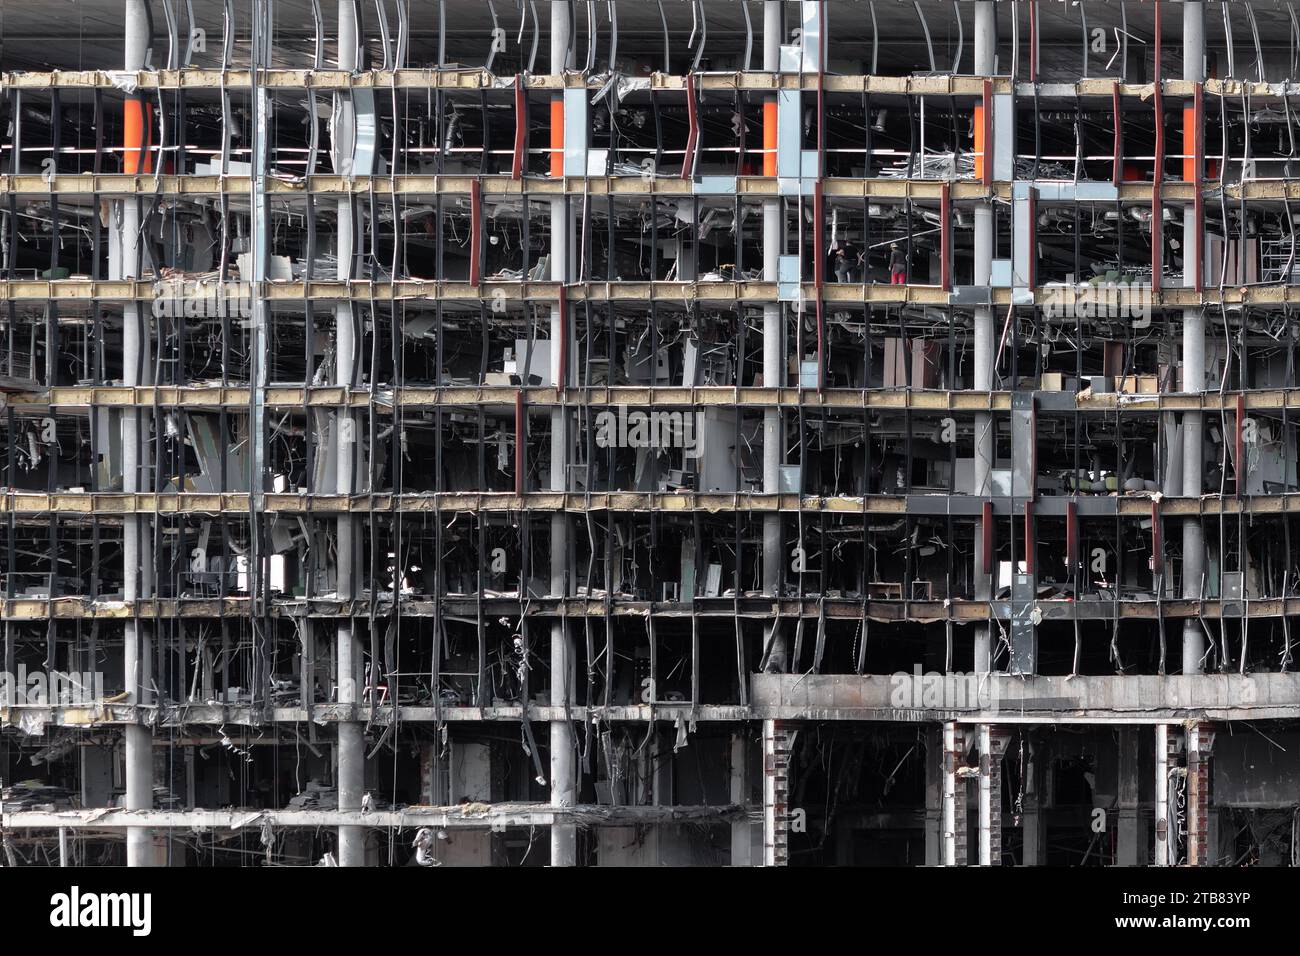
(961, 37)
(925, 27)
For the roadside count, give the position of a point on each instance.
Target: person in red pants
(897, 265)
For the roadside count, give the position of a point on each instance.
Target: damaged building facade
(635, 433)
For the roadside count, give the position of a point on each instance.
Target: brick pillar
(1200, 750)
(993, 746)
(776, 789)
(741, 838)
(961, 825)
(995, 795)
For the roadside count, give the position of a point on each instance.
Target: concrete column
(985, 37)
(773, 360)
(137, 552)
(1193, 40)
(259, 350)
(351, 743)
(934, 806)
(1193, 370)
(471, 775)
(1161, 852)
(1033, 823)
(564, 789)
(1129, 845)
(985, 53)
(741, 839)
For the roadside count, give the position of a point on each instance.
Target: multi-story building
(735, 433)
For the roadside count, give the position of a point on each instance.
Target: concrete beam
(1002, 699)
(470, 816)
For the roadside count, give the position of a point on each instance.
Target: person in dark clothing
(897, 265)
(844, 261)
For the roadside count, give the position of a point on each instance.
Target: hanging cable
(1227, 35)
(611, 9)
(169, 15)
(1259, 51)
(663, 20)
(403, 34)
(1083, 27)
(496, 32)
(749, 36)
(925, 28)
(189, 37)
(875, 41)
(961, 37)
(382, 17)
(704, 36)
(532, 53)
(1123, 41)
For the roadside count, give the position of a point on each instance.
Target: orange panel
(557, 136)
(137, 119)
(979, 142)
(1189, 144)
(769, 138)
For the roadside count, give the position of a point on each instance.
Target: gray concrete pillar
(1130, 847)
(1034, 816)
(137, 552)
(1193, 370)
